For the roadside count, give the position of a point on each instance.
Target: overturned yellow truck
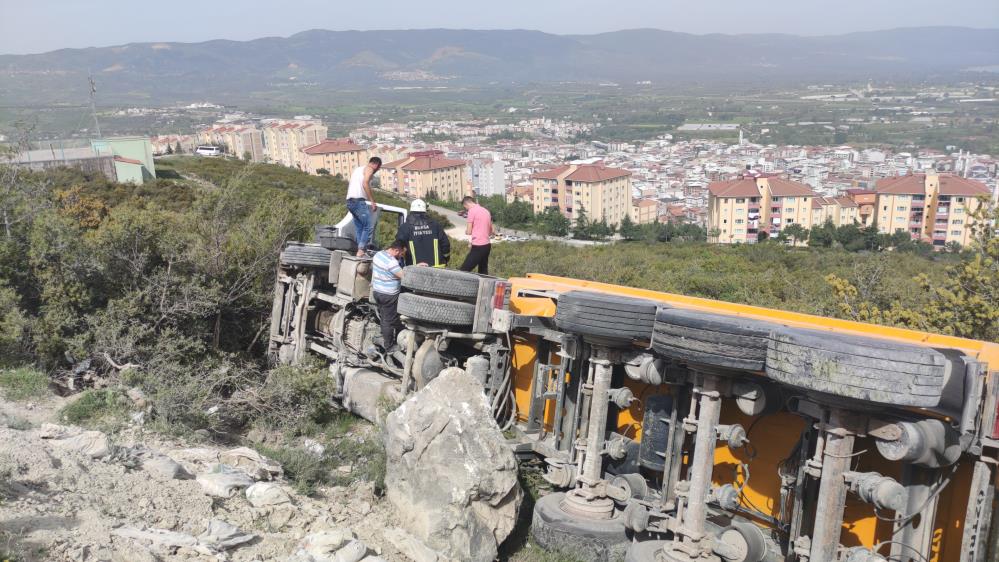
(676, 428)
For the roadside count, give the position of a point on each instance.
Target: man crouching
(386, 280)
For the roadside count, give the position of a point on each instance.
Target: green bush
(23, 383)
(96, 407)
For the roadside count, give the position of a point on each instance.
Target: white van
(208, 150)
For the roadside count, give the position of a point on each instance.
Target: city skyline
(70, 24)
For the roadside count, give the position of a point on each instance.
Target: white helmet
(418, 206)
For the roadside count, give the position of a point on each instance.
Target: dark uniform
(426, 240)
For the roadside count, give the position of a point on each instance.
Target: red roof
(903, 185)
(552, 174)
(956, 185)
(585, 173)
(745, 187)
(330, 146)
(425, 163)
(846, 202)
(127, 160)
(788, 188)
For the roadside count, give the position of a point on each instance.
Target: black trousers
(478, 257)
(388, 314)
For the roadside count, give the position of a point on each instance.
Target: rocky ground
(134, 496)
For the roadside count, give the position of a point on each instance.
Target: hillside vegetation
(168, 285)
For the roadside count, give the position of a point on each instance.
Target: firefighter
(425, 239)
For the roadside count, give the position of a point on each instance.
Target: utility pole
(93, 105)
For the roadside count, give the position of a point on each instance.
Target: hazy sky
(31, 26)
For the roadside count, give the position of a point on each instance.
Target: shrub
(23, 383)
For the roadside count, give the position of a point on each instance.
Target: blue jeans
(364, 222)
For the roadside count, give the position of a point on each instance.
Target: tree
(169, 149)
(322, 172)
(795, 232)
(552, 222)
(964, 304)
(177, 149)
(822, 236)
(581, 227)
(247, 156)
(629, 230)
(850, 237)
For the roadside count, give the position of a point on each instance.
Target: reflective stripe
(437, 258)
(412, 252)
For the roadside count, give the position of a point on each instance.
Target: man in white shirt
(361, 203)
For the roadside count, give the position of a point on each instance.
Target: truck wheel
(589, 540)
(712, 339)
(869, 369)
(441, 282)
(610, 317)
(339, 243)
(436, 311)
(305, 255)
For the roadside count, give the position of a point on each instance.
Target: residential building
(867, 202)
(644, 211)
(284, 140)
(488, 176)
(740, 210)
(930, 207)
(599, 191)
(425, 174)
(239, 141)
(839, 210)
(338, 157)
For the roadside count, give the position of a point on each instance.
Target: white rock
(451, 475)
(223, 481)
(353, 551)
(165, 468)
(221, 535)
(412, 547)
(94, 444)
(263, 494)
(325, 543)
(253, 463)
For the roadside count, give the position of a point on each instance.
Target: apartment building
(644, 211)
(740, 210)
(867, 202)
(488, 176)
(238, 141)
(423, 173)
(284, 140)
(601, 192)
(336, 156)
(840, 210)
(930, 207)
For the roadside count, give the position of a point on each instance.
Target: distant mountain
(365, 59)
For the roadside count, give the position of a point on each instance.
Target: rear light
(499, 295)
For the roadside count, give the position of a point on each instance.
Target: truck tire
(868, 369)
(590, 540)
(305, 255)
(339, 243)
(436, 311)
(717, 340)
(441, 282)
(607, 317)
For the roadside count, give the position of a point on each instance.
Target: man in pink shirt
(480, 227)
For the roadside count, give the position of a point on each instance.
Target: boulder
(450, 474)
(251, 462)
(223, 481)
(162, 467)
(263, 494)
